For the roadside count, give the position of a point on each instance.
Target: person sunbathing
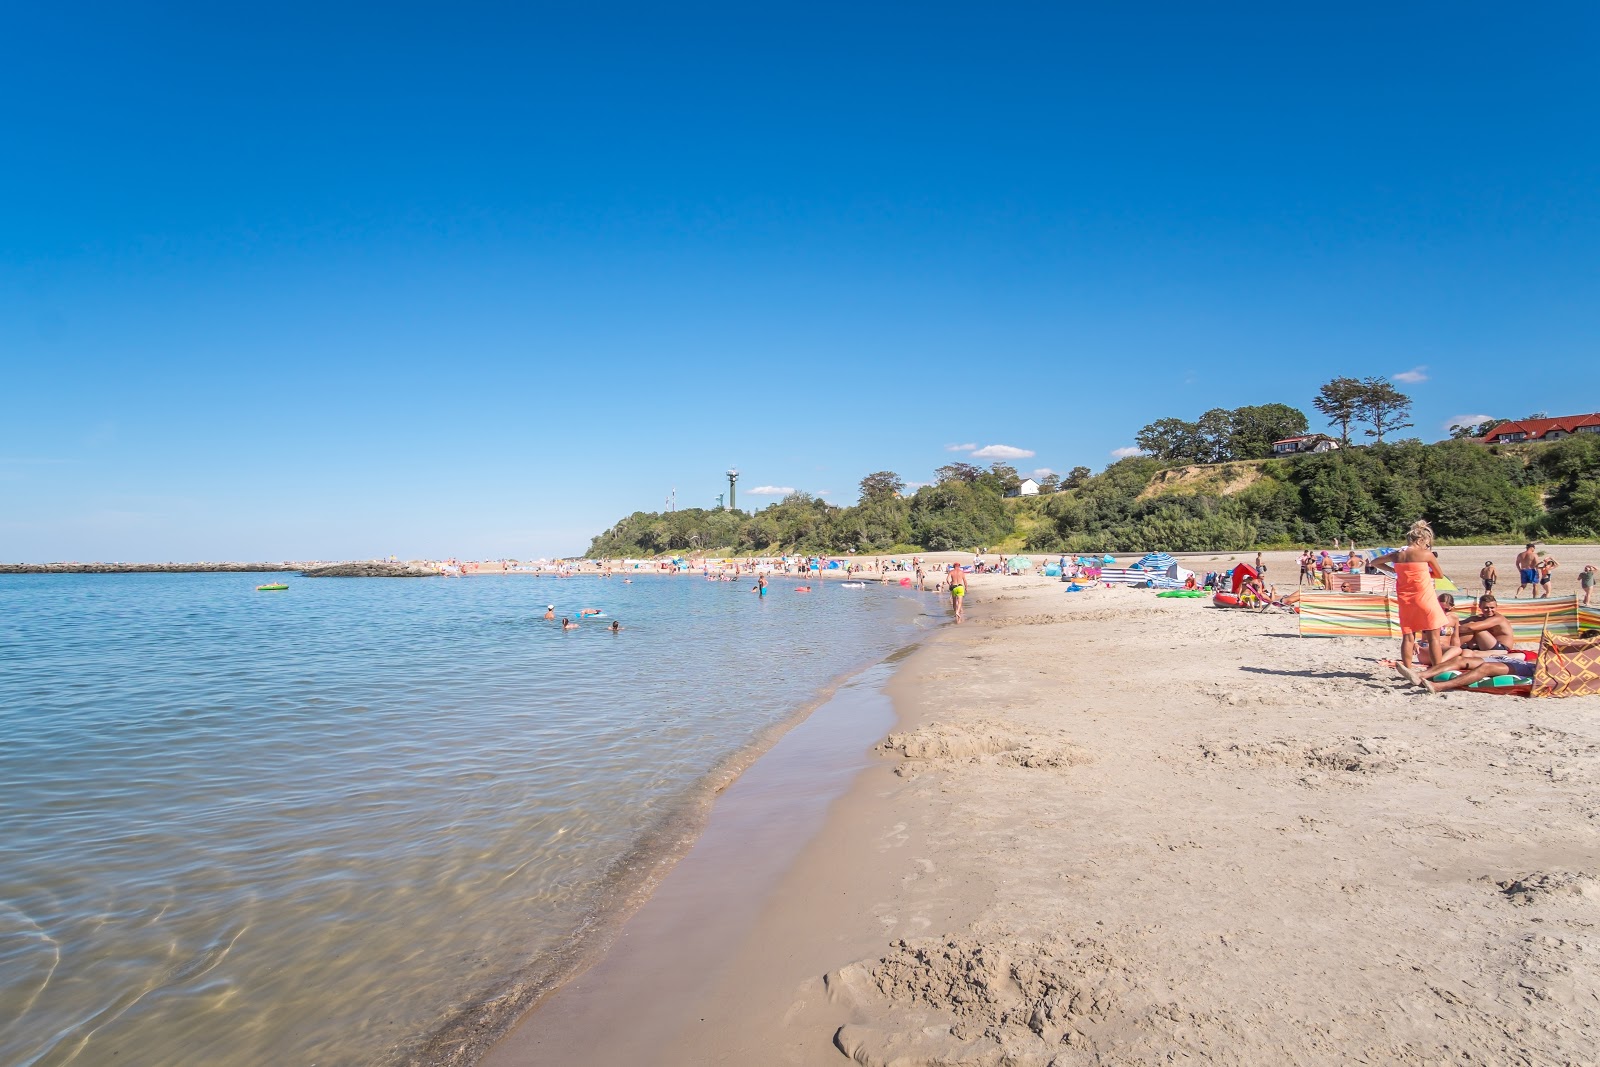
(1488, 630)
(1472, 667)
(1449, 637)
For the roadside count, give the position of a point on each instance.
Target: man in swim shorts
(1488, 576)
(1488, 630)
(958, 591)
(1528, 569)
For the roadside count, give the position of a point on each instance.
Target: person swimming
(615, 627)
(568, 624)
(549, 611)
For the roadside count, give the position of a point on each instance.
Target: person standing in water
(1414, 568)
(761, 587)
(549, 612)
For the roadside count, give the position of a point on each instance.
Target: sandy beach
(1114, 829)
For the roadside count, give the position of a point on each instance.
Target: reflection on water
(264, 828)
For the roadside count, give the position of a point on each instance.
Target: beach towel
(1419, 604)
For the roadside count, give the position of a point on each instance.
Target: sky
(345, 281)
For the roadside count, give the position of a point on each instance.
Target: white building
(1029, 487)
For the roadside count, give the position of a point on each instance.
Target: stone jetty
(318, 569)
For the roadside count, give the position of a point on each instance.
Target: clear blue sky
(334, 281)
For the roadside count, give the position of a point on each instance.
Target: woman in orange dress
(1414, 568)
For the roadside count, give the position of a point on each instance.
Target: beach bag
(1567, 667)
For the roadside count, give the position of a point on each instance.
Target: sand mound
(1024, 620)
(1356, 755)
(984, 741)
(1543, 886)
(1012, 1003)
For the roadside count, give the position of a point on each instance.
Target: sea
(317, 826)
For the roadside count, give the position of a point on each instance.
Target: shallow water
(304, 826)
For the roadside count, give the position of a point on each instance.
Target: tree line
(1369, 495)
(1221, 434)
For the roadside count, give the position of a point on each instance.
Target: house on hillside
(1306, 442)
(1542, 429)
(1029, 487)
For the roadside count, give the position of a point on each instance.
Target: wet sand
(1115, 829)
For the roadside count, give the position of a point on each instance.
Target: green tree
(1339, 401)
(1050, 483)
(958, 472)
(1384, 406)
(1214, 436)
(1169, 439)
(1076, 477)
(1003, 477)
(1256, 427)
(1466, 431)
(881, 484)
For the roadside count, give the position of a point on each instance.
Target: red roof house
(1542, 429)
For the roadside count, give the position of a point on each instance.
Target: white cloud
(1412, 376)
(917, 485)
(822, 492)
(1124, 453)
(771, 490)
(1043, 472)
(959, 448)
(1002, 452)
(1465, 420)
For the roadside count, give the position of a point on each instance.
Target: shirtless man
(1488, 630)
(549, 612)
(1528, 569)
(958, 591)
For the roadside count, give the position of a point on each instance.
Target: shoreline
(487, 1017)
(1207, 839)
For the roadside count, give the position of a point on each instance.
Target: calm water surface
(301, 827)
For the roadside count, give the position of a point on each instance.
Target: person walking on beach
(1488, 576)
(1545, 569)
(1261, 568)
(1586, 581)
(1413, 568)
(1527, 570)
(958, 591)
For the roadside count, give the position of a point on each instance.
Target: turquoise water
(308, 826)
